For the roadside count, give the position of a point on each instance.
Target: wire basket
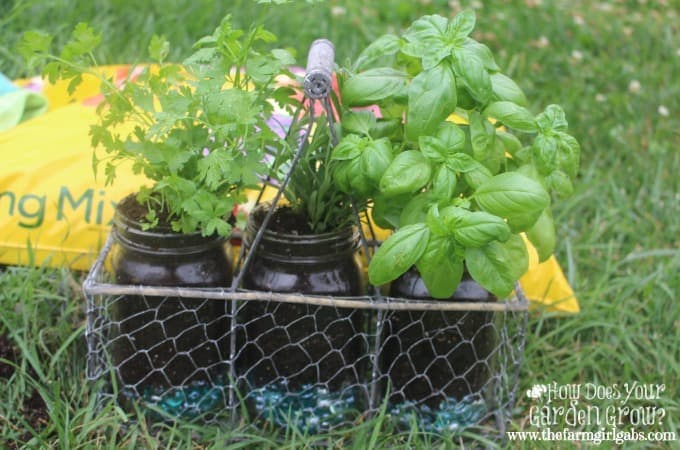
(314, 362)
(445, 365)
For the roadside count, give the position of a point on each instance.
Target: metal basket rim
(91, 286)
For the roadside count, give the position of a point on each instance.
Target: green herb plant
(197, 130)
(457, 195)
(312, 193)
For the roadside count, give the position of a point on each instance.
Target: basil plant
(458, 193)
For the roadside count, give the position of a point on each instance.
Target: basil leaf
(559, 182)
(479, 228)
(451, 135)
(465, 100)
(514, 197)
(398, 253)
(470, 69)
(510, 142)
(440, 268)
(512, 115)
(487, 265)
(497, 266)
(462, 162)
(545, 153)
(480, 136)
(349, 147)
(552, 119)
(483, 53)
(483, 139)
(416, 209)
(431, 99)
(542, 235)
(530, 171)
(517, 252)
(505, 89)
(369, 87)
(496, 156)
(376, 158)
(569, 153)
(428, 29)
(359, 122)
(443, 183)
(451, 216)
(462, 24)
(389, 128)
(395, 109)
(477, 175)
(522, 221)
(432, 148)
(435, 222)
(511, 191)
(385, 45)
(342, 177)
(428, 40)
(349, 178)
(408, 172)
(524, 155)
(461, 202)
(386, 211)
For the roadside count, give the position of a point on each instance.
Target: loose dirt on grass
(33, 409)
(7, 353)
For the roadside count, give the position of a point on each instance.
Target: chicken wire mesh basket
(315, 362)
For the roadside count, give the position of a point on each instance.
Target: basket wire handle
(318, 85)
(319, 75)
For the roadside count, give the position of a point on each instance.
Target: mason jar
(168, 346)
(298, 351)
(436, 357)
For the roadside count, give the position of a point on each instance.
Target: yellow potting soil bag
(54, 212)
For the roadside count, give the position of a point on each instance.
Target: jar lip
(159, 240)
(123, 221)
(302, 248)
(348, 232)
(283, 244)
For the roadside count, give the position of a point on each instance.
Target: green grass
(618, 235)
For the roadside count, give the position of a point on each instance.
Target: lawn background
(612, 65)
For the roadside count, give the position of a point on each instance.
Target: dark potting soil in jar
(436, 357)
(168, 345)
(292, 355)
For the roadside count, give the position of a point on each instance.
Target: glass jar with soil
(438, 365)
(302, 362)
(170, 352)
